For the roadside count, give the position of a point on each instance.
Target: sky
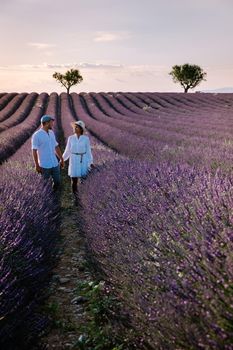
(117, 45)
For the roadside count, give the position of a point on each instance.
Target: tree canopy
(188, 75)
(70, 78)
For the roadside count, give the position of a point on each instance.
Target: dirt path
(66, 309)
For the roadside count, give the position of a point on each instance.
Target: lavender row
(210, 153)
(200, 105)
(174, 108)
(21, 112)
(67, 117)
(12, 106)
(201, 123)
(5, 100)
(171, 111)
(148, 130)
(161, 117)
(25, 149)
(138, 108)
(167, 119)
(201, 112)
(13, 138)
(127, 245)
(53, 110)
(29, 231)
(212, 117)
(119, 140)
(162, 236)
(121, 108)
(101, 153)
(157, 128)
(170, 104)
(193, 100)
(29, 222)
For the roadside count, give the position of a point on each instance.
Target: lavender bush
(21, 112)
(14, 137)
(157, 214)
(29, 219)
(5, 99)
(12, 106)
(29, 223)
(177, 144)
(53, 110)
(67, 117)
(162, 236)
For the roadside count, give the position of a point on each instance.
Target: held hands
(38, 169)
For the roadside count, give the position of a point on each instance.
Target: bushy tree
(70, 78)
(188, 75)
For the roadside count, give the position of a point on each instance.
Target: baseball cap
(46, 118)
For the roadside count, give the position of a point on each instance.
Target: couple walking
(46, 153)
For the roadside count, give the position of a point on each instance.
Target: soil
(67, 312)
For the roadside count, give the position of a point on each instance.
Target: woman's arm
(66, 154)
(89, 153)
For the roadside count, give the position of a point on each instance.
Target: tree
(70, 78)
(188, 75)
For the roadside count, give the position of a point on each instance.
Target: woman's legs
(74, 184)
(75, 181)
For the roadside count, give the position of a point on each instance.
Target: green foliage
(188, 75)
(70, 78)
(102, 309)
(52, 308)
(54, 311)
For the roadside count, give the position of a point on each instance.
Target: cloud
(111, 36)
(41, 46)
(98, 65)
(102, 76)
(81, 65)
(223, 90)
(57, 65)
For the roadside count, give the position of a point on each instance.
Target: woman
(78, 151)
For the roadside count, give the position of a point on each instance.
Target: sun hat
(81, 124)
(46, 118)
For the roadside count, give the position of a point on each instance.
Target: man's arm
(59, 154)
(36, 161)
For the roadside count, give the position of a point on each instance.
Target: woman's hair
(78, 126)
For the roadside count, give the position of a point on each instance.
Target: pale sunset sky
(118, 45)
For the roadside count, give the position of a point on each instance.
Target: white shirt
(78, 151)
(45, 143)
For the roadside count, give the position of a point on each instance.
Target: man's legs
(55, 172)
(46, 173)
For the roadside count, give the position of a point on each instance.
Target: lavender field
(157, 212)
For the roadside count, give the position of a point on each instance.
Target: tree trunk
(186, 89)
(68, 90)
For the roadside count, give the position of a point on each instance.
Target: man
(44, 151)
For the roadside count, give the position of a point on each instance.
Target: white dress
(78, 151)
